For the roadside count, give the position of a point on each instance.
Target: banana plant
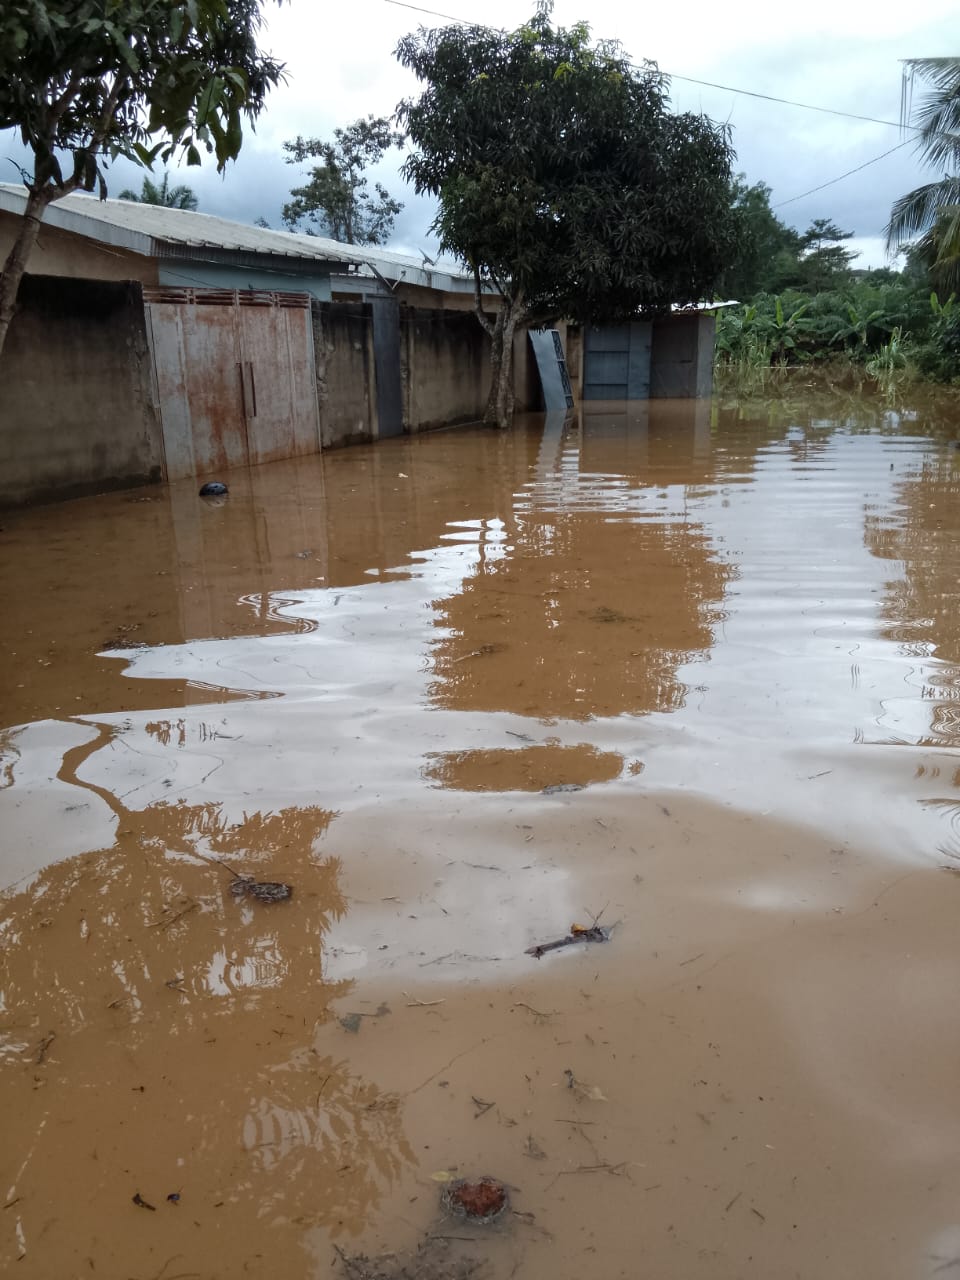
(783, 330)
(857, 326)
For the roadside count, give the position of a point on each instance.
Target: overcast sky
(341, 65)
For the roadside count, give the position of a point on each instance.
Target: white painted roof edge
(153, 231)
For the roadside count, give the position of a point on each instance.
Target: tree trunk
(505, 390)
(500, 401)
(16, 262)
(496, 362)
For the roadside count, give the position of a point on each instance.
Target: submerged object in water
(262, 890)
(214, 489)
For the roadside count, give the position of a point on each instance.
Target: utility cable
(708, 84)
(866, 164)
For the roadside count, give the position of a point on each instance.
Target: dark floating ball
(214, 489)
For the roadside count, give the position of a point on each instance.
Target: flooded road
(690, 669)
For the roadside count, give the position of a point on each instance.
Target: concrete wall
(61, 253)
(346, 383)
(445, 363)
(76, 404)
(415, 295)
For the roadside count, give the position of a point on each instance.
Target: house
(82, 236)
(154, 343)
(163, 343)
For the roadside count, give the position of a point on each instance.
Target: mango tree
(564, 182)
(86, 81)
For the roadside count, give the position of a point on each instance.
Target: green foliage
(932, 212)
(824, 263)
(939, 356)
(563, 178)
(100, 79)
(883, 327)
(767, 255)
(161, 193)
(336, 200)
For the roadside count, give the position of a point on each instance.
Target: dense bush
(883, 324)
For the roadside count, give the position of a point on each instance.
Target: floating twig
(163, 925)
(522, 1004)
(578, 933)
(44, 1045)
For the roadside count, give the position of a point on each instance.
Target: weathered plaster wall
(445, 362)
(76, 405)
(61, 253)
(346, 384)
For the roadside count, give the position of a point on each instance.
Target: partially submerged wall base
(76, 406)
(444, 370)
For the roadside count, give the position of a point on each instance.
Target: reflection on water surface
(692, 668)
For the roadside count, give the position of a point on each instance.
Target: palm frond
(946, 235)
(918, 210)
(943, 73)
(938, 115)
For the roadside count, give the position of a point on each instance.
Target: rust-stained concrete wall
(445, 363)
(76, 402)
(61, 253)
(346, 382)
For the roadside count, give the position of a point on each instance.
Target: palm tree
(933, 209)
(162, 193)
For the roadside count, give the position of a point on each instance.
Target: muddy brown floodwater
(691, 669)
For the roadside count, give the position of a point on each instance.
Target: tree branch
(484, 319)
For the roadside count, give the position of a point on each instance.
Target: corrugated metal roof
(154, 231)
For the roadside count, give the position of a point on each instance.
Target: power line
(709, 84)
(848, 174)
(766, 97)
(789, 102)
(464, 22)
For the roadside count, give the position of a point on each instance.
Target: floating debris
(481, 1201)
(435, 1258)
(533, 1149)
(578, 933)
(262, 890)
(139, 1201)
(556, 788)
(351, 1021)
(214, 489)
(247, 887)
(582, 1091)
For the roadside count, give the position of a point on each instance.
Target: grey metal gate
(386, 364)
(616, 361)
